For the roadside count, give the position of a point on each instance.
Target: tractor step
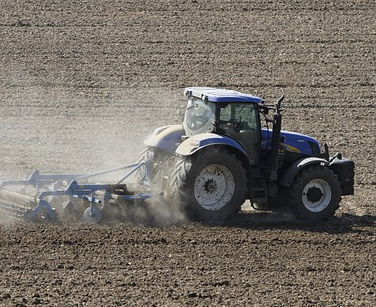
(259, 190)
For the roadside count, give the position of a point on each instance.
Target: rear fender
(166, 138)
(212, 141)
(297, 166)
(203, 140)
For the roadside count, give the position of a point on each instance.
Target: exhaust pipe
(274, 153)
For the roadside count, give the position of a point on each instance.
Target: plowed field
(83, 82)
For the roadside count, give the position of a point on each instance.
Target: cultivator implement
(48, 198)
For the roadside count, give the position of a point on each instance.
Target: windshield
(199, 116)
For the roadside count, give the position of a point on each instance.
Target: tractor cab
(241, 122)
(227, 113)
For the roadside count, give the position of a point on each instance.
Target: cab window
(238, 117)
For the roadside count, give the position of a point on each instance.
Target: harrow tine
(22, 207)
(13, 211)
(15, 205)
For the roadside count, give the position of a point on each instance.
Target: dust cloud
(62, 132)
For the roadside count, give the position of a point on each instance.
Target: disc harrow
(48, 197)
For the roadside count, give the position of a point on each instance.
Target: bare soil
(83, 82)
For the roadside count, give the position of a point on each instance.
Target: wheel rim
(316, 195)
(214, 187)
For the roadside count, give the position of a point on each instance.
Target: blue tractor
(230, 149)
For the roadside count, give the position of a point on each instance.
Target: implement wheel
(93, 215)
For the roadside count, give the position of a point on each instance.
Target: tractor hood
(293, 142)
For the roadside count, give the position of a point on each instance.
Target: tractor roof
(220, 95)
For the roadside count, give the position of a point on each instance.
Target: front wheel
(315, 194)
(211, 185)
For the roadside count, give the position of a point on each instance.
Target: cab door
(242, 123)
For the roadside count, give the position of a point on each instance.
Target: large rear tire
(156, 165)
(315, 194)
(210, 185)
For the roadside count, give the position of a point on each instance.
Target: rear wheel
(315, 194)
(155, 164)
(210, 185)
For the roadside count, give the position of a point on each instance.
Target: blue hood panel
(293, 142)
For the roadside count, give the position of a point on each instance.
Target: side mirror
(264, 110)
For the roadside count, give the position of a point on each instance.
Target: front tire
(211, 185)
(315, 194)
